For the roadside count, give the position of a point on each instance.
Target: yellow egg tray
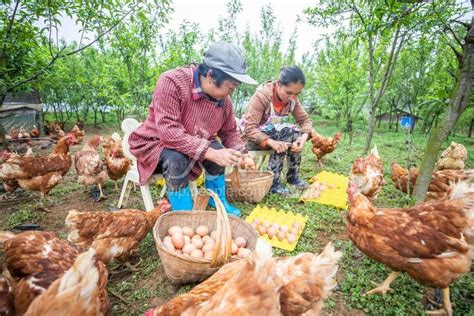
(280, 217)
(161, 181)
(336, 196)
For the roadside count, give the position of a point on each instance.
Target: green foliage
(24, 215)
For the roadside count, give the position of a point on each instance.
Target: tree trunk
(458, 103)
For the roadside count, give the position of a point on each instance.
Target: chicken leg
(448, 308)
(385, 286)
(101, 193)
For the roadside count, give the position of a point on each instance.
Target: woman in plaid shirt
(190, 109)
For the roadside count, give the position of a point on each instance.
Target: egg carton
(280, 217)
(336, 195)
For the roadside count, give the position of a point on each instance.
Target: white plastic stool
(128, 126)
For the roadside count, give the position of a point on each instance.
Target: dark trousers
(176, 166)
(276, 161)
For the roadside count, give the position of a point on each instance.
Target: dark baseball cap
(229, 59)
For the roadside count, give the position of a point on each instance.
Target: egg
(178, 240)
(254, 226)
(166, 238)
(296, 224)
(294, 231)
(331, 185)
(188, 231)
(284, 228)
(208, 255)
(187, 240)
(281, 235)
(202, 230)
(262, 230)
(197, 242)
(214, 234)
(188, 248)
(169, 245)
(256, 221)
(271, 232)
(207, 247)
(316, 194)
(291, 238)
(206, 238)
(323, 183)
(266, 224)
(240, 242)
(276, 226)
(197, 253)
(234, 249)
(243, 252)
(174, 229)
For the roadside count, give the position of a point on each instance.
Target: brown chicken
(35, 132)
(53, 130)
(367, 173)
(10, 184)
(426, 241)
(440, 180)
(307, 280)
(452, 158)
(80, 291)
(78, 133)
(35, 260)
(23, 134)
(40, 173)
(323, 145)
(115, 160)
(89, 166)
(7, 304)
(114, 235)
(13, 133)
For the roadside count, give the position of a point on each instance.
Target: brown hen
(115, 160)
(323, 145)
(89, 166)
(440, 180)
(367, 173)
(35, 260)
(78, 133)
(80, 291)
(452, 158)
(426, 241)
(114, 235)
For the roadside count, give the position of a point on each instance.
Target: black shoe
(279, 189)
(298, 183)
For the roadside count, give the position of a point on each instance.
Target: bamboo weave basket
(183, 268)
(248, 185)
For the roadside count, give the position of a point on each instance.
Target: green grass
(26, 214)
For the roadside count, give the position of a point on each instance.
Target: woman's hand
(298, 144)
(278, 146)
(223, 157)
(246, 162)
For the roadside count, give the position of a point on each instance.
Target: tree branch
(9, 29)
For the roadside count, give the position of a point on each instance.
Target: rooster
(367, 173)
(440, 180)
(426, 241)
(40, 173)
(89, 166)
(114, 235)
(81, 290)
(452, 158)
(306, 281)
(34, 259)
(115, 160)
(323, 145)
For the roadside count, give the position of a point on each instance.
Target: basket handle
(235, 178)
(223, 246)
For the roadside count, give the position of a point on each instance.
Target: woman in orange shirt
(266, 125)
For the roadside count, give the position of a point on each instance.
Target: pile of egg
(276, 230)
(320, 187)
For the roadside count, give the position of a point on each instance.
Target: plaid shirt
(178, 121)
(197, 90)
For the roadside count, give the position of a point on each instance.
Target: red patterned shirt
(179, 121)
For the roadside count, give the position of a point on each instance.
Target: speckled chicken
(89, 166)
(80, 291)
(35, 260)
(367, 173)
(7, 305)
(114, 235)
(452, 158)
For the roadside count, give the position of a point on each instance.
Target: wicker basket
(184, 269)
(248, 186)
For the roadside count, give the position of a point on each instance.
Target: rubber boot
(181, 200)
(217, 185)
